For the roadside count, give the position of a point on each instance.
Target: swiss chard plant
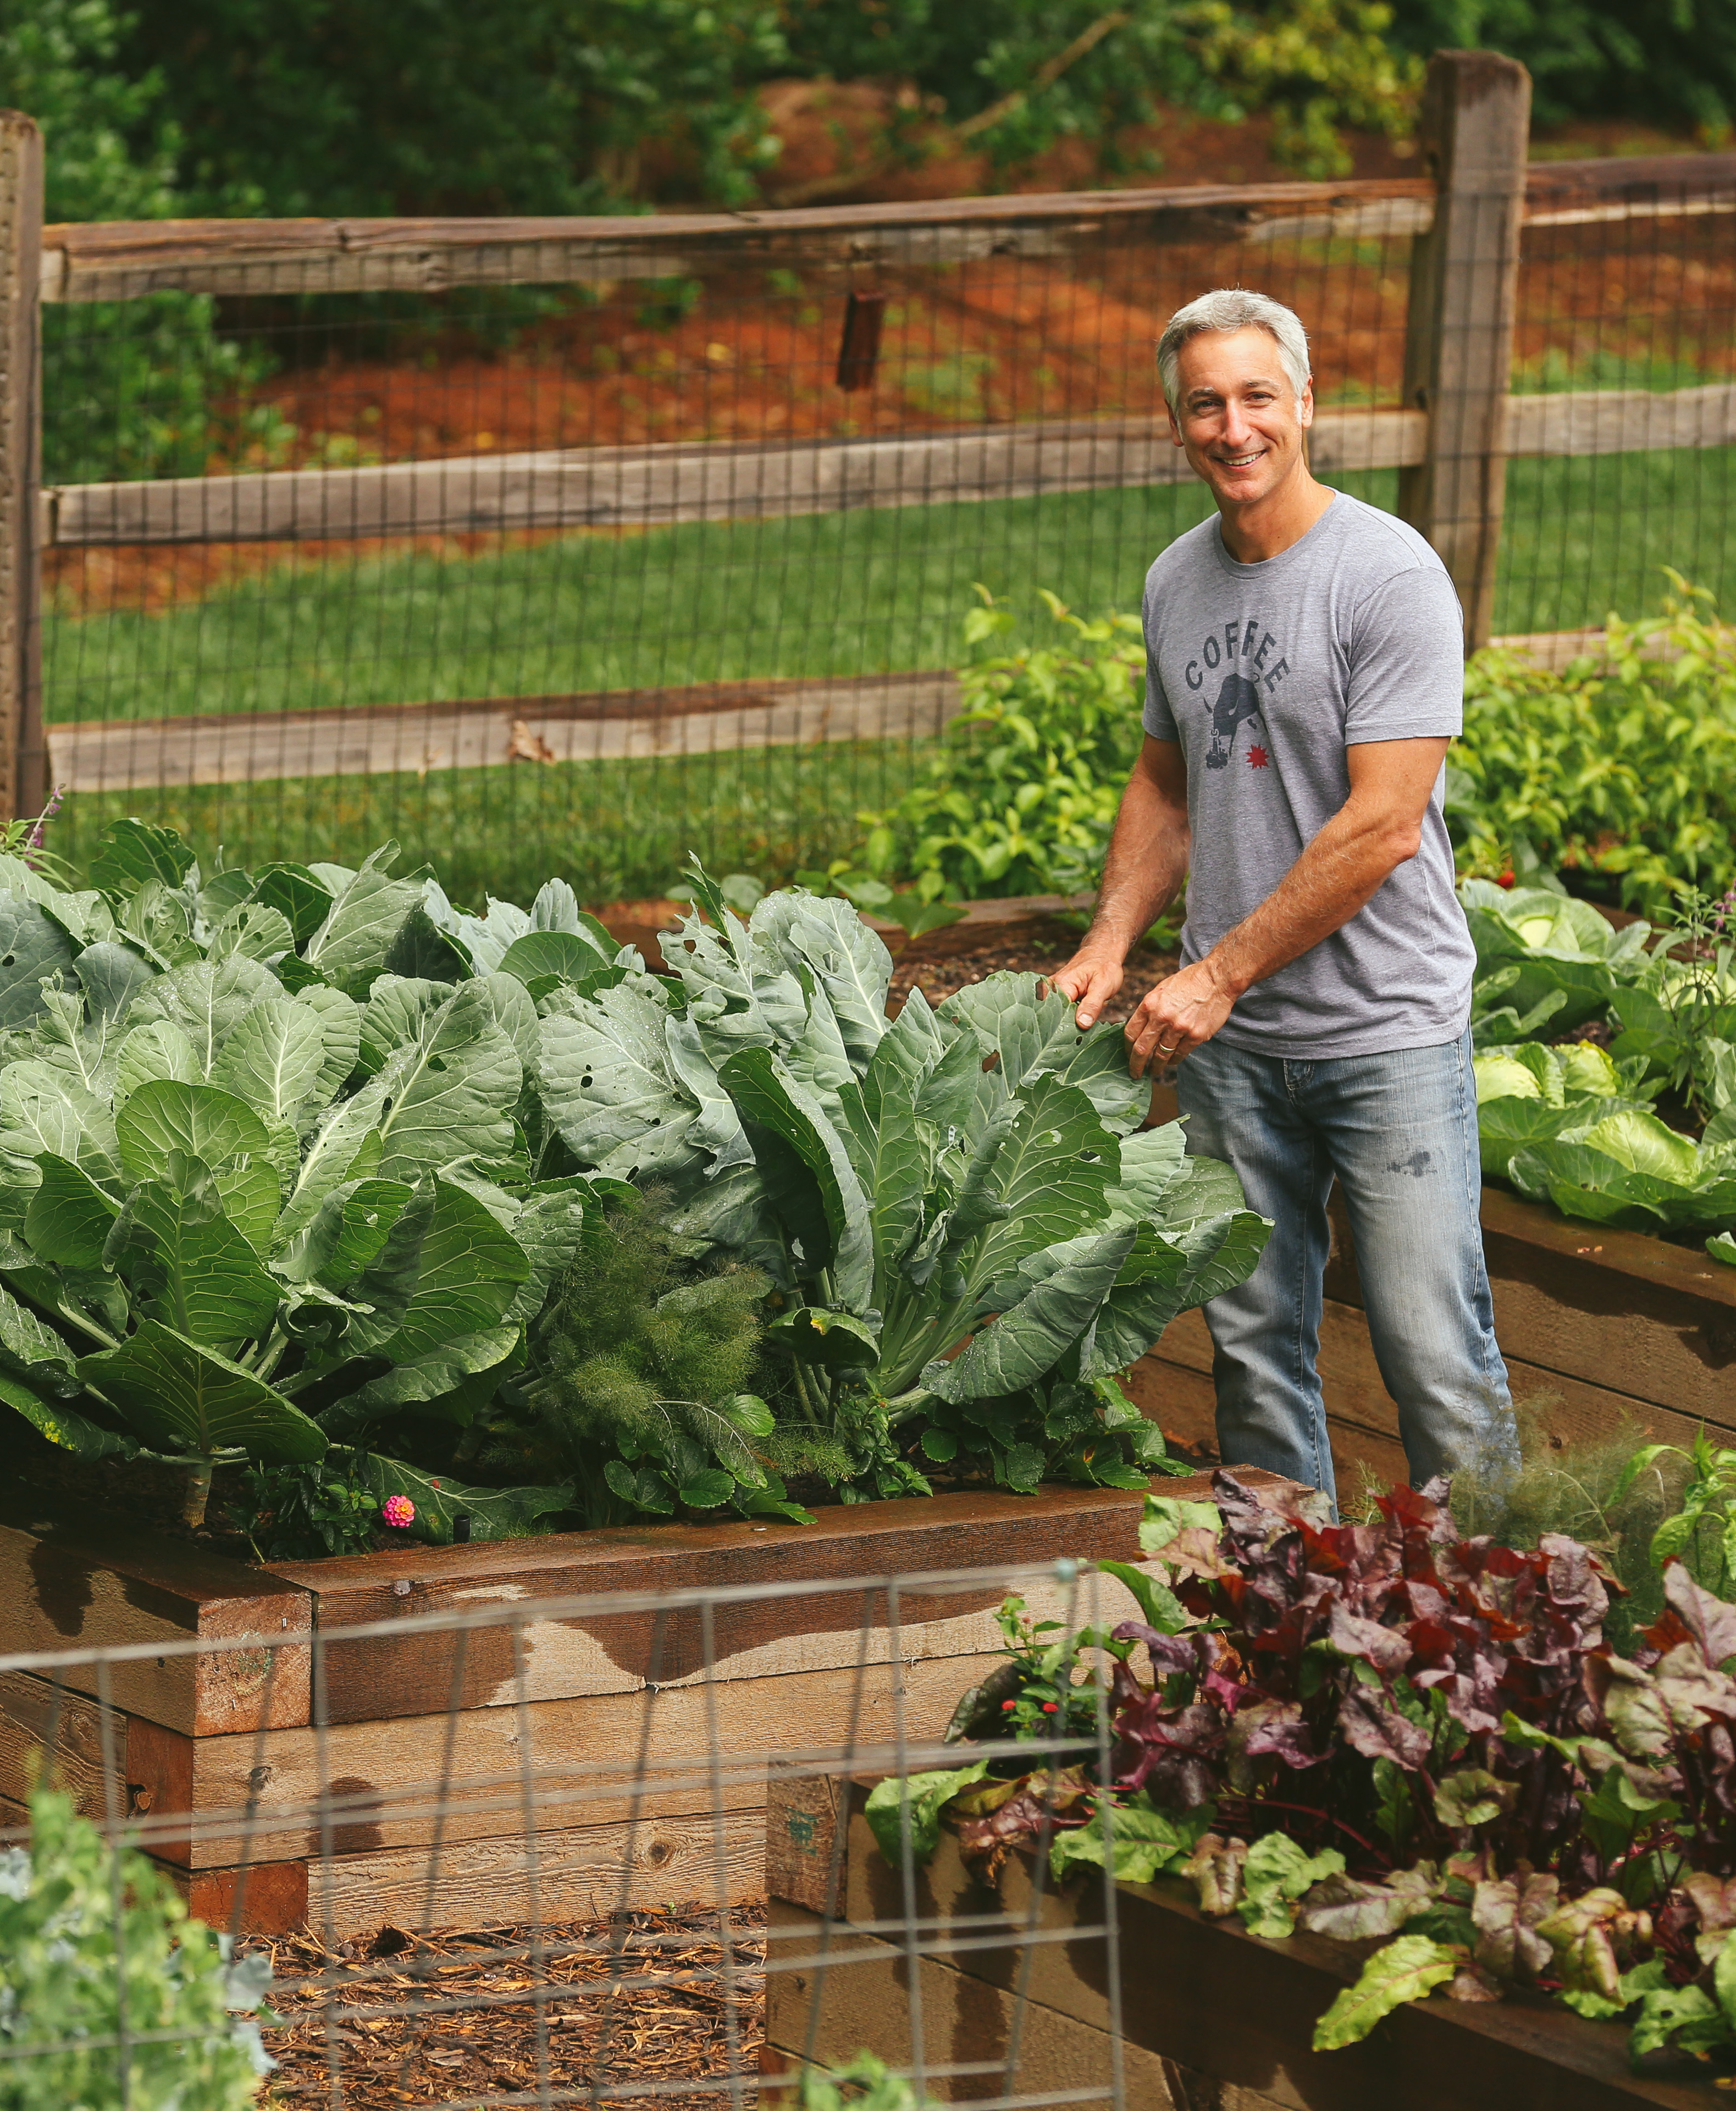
(967, 1233)
(1387, 1731)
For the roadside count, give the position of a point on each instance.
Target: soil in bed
(563, 2009)
(1042, 954)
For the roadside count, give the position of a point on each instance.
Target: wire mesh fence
(562, 1859)
(576, 546)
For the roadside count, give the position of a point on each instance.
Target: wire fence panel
(572, 548)
(577, 577)
(506, 1899)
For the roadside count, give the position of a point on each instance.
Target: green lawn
(842, 593)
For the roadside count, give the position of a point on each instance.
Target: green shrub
(1623, 764)
(93, 1942)
(1020, 794)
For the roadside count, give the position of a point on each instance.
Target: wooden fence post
(1459, 336)
(22, 749)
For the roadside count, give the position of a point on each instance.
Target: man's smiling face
(1237, 415)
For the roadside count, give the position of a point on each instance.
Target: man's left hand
(1179, 1016)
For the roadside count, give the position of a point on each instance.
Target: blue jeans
(1400, 1133)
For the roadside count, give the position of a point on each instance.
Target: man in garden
(1304, 677)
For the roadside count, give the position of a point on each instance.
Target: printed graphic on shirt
(1239, 698)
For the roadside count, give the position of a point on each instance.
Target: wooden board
(123, 260)
(120, 755)
(54, 1736)
(73, 1580)
(827, 2016)
(371, 1679)
(1618, 421)
(677, 481)
(582, 1873)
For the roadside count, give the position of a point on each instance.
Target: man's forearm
(1337, 875)
(1146, 868)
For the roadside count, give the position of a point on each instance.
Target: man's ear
(1174, 429)
(1305, 407)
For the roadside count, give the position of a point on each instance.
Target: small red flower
(1506, 880)
(1048, 1707)
(1258, 757)
(1006, 1704)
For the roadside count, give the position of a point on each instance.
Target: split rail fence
(974, 374)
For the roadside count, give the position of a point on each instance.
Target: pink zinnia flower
(399, 1511)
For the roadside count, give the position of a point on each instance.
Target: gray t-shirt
(1264, 674)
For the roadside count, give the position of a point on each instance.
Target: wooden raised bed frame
(1212, 2018)
(204, 1735)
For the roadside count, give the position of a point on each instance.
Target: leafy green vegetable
(912, 1804)
(1408, 1969)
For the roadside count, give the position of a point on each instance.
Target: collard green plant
(261, 1193)
(93, 1944)
(973, 1176)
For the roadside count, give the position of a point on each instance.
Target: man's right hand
(1090, 978)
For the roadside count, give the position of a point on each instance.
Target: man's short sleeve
(1407, 678)
(1159, 720)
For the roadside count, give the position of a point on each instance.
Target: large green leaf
(455, 1091)
(294, 892)
(191, 1266)
(34, 1347)
(1151, 1161)
(41, 1108)
(1583, 1183)
(891, 1160)
(346, 1130)
(1406, 1970)
(809, 1180)
(550, 1229)
(570, 955)
(608, 1086)
(1053, 1174)
(1170, 1275)
(62, 1039)
(272, 1058)
(69, 1217)
(32, 945)
(350, 947)
(1059, 1294)
(155, 1048)
(182, 1397)
(347, 1232)
(447, 1268)
(412, 1381)
(199, 1121)
(846, 961)
(397, 1009)
(112, 975)
(1643, 1144)
(206, 1000)
(1513, 1123)
(64, 1426)
(134, 852)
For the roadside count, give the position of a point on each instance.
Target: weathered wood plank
(861, 2001)
(1616, 421)
(122, 260)
(73, 1581)
(126, 754)
(367, 1680)
(1459, 331)
(387, 1784)
(21, 464)
(676, 481)
(54, 1737)
(582, 1873)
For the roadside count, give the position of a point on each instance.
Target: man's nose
(1236, 428)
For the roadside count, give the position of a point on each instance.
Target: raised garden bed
(225, 1758)
(1209, 2015)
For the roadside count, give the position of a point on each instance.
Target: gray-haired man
(1304, 677)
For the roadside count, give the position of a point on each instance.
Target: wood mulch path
(636, 1999)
